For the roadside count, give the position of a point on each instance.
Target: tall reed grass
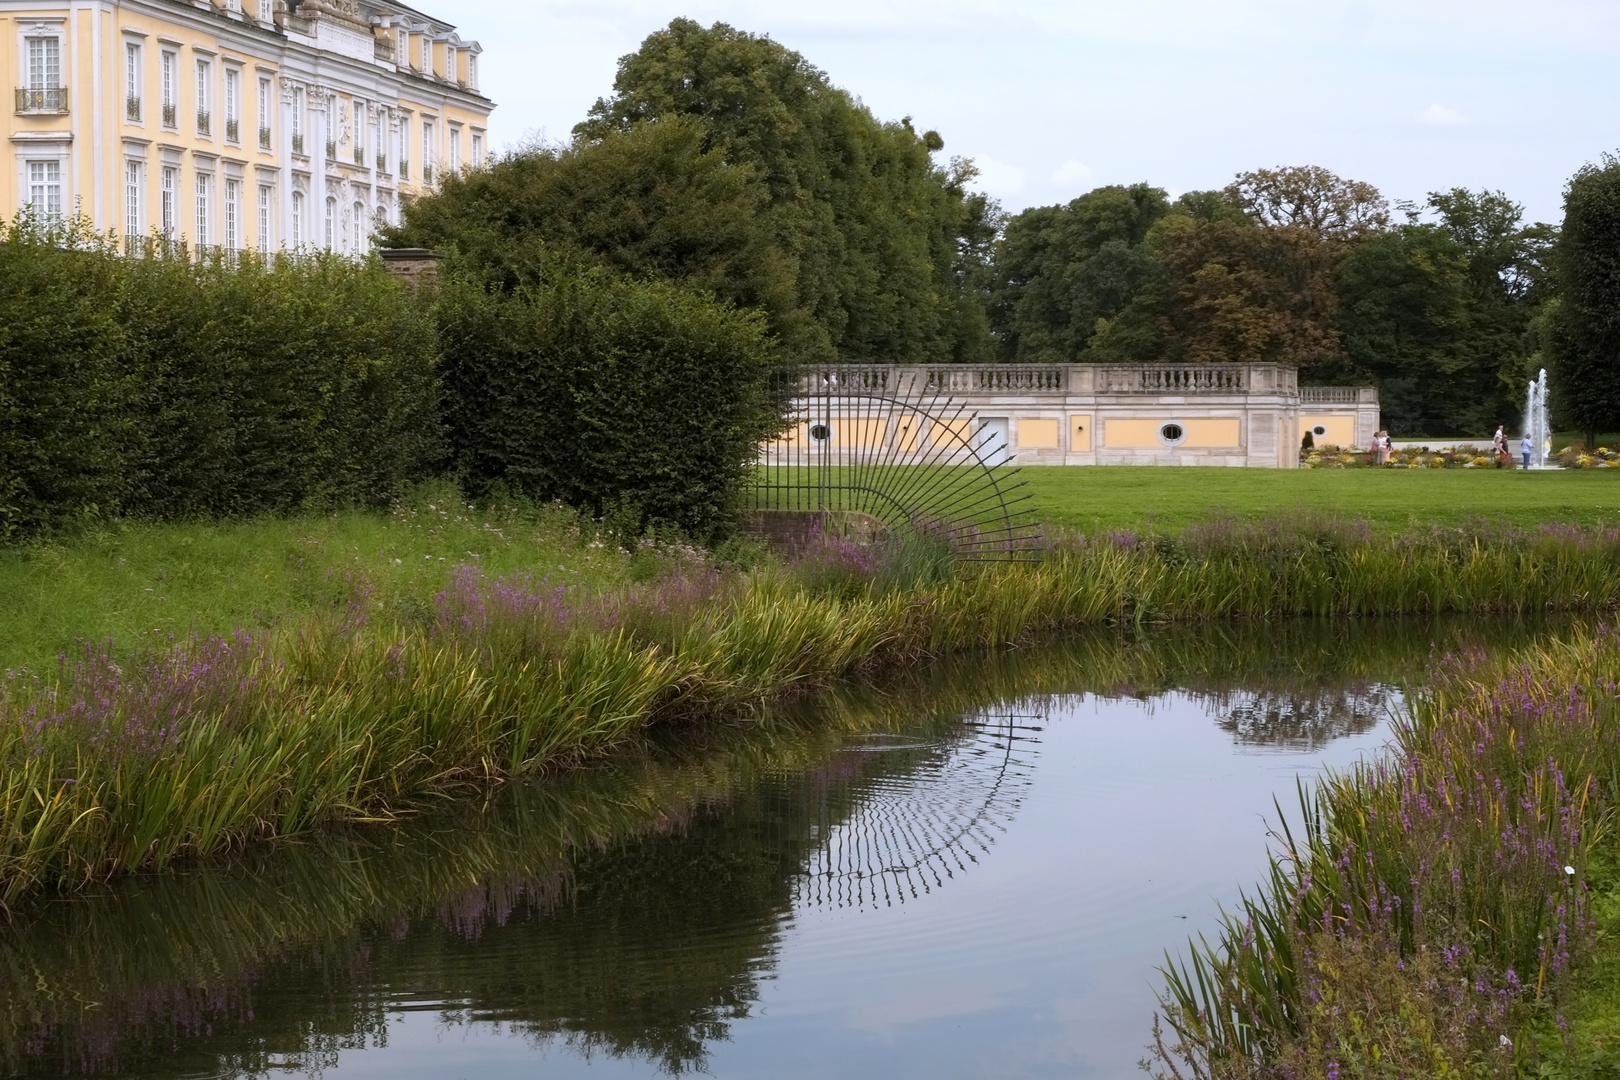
(117, 765)
(1427, 908)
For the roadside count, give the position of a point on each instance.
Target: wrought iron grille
(893, 448)
(49, 100)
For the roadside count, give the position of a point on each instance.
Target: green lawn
(1100, 497)
(138, 584)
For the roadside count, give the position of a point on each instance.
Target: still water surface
(972, 872)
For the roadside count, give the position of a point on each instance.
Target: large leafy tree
(885, 239)
(1584, 330)
(1439, 313)
(1061, 270)
(653, 201)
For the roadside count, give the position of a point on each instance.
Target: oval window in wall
(1172, 434)
(1319, 430)
(820, 432)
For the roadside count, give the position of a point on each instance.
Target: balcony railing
(359, 156)
(331, 150)
(170, 116)
(427, 174)
(382, 163)
(233, 131)
(50, 100)
(132, 107)
(298, 144)
(404, 169)
(264, 138)
(202, 122)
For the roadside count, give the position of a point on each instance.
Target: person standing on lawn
(1499, 441)
(1527, 446)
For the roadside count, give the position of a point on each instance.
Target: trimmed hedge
(164, 387)
(638, 399)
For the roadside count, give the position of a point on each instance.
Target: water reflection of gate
(911, 830)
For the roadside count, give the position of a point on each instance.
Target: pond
(970, 870)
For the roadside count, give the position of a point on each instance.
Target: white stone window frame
(168, 222)
(478, 152)
(453, 144)
(231, 102)
(1179, 425)
(136, 41)
(137, 219)
(45, 146)
(169, 88)
(42, 26)
(202, 77)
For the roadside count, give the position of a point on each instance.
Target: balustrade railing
(850, 378)
(1329, 395)
(132, 107)
(1005, 378)
(1172, 379)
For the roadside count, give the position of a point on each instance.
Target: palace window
(45, 190)
(170, 181)
(297, 219)
(331, 222)
(233, 215)
(168, 90)
(265, 195)
(427, 56)
(266, 109)
(478, 150)
(45, 63)
(359, 226)
(427, 151)
(203, 185)
(472, 70)
(233, 105)
(298, 120)
(132, 200)
(455, 148)
(267, 11)
(132, 81)
(204, 98)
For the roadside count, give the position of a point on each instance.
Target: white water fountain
(1535, 421)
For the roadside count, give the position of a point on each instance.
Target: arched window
(331, 222)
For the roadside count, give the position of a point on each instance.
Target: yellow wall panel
(1080, 433)
(1037, 433)
(907, 431)
(1214, 432)
(1123, 433)
(951, 433)
(1340, 430)
(859, 432)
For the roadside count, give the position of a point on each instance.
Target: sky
(1052, 99)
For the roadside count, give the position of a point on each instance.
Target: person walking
(1499, 442)
(1527, 446)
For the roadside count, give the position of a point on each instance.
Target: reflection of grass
(705, 830)
(1436, 914)
(373, 709)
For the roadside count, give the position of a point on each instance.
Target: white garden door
(994, 435)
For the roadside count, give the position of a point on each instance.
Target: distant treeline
(726, 160)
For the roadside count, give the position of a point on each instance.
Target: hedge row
(166, 387)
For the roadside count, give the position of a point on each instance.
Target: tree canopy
(888, 245)
(1584, 336)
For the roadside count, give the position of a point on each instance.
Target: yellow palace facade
(237, 124)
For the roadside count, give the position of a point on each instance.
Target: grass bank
(366, 706)
(1391, 500)
(1453, 910)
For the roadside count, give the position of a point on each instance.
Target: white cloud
(1000, 178)
(1073, 172)
(1440, 116)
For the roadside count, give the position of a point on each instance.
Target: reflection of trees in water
(1305, 719)
(632, 910)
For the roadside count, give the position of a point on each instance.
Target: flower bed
(1462, 456)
